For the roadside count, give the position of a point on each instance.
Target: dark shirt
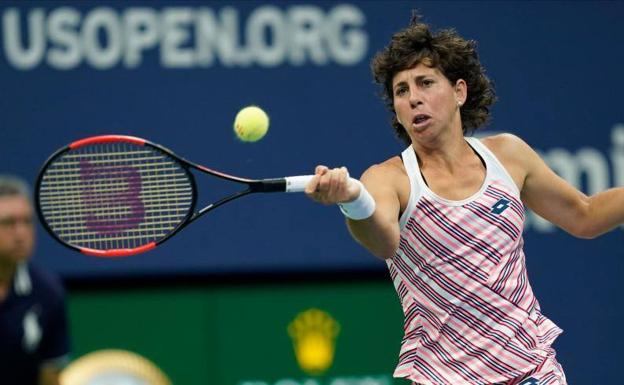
(33, 326)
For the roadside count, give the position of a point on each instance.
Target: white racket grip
(297, 183)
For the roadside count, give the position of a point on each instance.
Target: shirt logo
(500, 206)
(32, 330)
(529, 381)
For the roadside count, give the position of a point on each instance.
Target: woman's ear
(461, 92)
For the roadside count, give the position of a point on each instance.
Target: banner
(284, 334)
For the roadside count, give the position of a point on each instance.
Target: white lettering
(230, 53)
(141, 33)
(617, 154)
(288, 381)
(347, 49)
(586, 169)
(18, 56)
(381, 380)
(102, 56)
(267, 19)
(364, 380)
(306, 32)
(176, 33)
(65, 52)
(185, 37)
(206, 32)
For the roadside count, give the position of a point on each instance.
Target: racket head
(114, 195)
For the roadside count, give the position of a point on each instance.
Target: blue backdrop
(177, 73)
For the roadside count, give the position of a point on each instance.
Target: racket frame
(254, 186)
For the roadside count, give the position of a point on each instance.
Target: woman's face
(426, 103)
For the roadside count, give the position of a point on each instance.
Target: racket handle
(297, 183)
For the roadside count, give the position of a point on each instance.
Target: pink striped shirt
(470, 314)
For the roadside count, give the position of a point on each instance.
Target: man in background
(34, 341)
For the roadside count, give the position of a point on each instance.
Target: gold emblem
(314, 333)
(113, 367)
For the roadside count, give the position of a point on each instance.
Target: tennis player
(447, 216)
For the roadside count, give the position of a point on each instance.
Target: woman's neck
(444, 152)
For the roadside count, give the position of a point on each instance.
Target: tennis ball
(251, 124)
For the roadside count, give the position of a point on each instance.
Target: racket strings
(114, 196)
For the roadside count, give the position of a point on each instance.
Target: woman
(447, 216)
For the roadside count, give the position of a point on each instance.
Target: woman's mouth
(421, 120)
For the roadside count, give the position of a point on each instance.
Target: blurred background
(213, 305)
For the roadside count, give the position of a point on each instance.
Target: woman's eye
(400, 91)
(427, 82)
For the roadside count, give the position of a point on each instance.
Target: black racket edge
(111, 139)
(38, 208)
(254, 186)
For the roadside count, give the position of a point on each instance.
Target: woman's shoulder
(387, 169)
(514, 153)
(504, 143)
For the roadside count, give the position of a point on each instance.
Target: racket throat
(218, 203)
(268, 185)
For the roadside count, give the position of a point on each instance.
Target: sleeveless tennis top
(470, 313)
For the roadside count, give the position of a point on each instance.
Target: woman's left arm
(556, 200)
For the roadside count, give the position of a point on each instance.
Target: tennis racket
(115, 195)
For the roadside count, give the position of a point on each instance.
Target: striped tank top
(470, 313)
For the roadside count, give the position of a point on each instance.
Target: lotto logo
(500, 206)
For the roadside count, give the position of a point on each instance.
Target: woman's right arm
(379, 233)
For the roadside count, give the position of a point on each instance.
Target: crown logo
(313, 333)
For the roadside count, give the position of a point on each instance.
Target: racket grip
(297, 183)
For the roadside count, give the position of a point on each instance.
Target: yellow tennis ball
(251, 124)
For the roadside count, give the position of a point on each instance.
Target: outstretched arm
(556, 200)
(379, 233)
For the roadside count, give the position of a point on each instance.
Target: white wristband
(361, 208)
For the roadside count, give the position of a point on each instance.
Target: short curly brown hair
(445, 50)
